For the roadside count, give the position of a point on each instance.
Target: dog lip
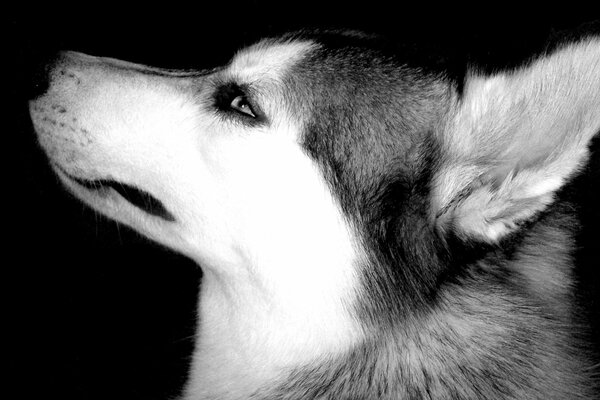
(91, 184)
(137, 197)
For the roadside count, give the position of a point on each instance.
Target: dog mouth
(137, 197)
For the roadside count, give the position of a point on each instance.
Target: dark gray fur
(372, 114)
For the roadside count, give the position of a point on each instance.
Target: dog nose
(41, 66)
(38, 67)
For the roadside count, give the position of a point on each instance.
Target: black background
(98, 312)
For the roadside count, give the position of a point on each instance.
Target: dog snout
(48, 67)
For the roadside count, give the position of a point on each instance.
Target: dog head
(320, 154)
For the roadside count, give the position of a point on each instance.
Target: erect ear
(514, 139)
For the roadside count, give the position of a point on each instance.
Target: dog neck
(253, 327)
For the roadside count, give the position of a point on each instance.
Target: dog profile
(368, 226)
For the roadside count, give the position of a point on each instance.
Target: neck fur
(253, 326)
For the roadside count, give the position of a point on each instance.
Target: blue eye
(241, 105)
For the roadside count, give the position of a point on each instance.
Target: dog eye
(240, 104)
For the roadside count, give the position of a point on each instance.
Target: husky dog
(368, 227)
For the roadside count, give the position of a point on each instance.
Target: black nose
(37, 64)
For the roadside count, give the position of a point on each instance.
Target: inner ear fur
(514, 139)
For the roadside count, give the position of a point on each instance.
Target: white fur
(515, 138)
(278, 256)
(266, 60)
(250, 206)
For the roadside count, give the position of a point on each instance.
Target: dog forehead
(269, 57)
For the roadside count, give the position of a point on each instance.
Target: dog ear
(514, 139)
